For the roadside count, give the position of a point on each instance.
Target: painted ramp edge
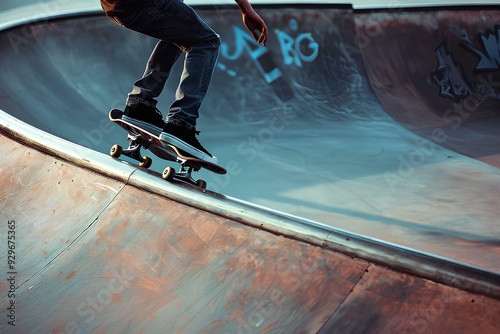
(102, 246)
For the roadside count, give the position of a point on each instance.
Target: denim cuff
(131, 100)
(181, 123)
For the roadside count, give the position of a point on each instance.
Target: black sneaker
(144, 116)
(185, 140)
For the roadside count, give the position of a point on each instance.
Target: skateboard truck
(184, 175)
(133, 151)
(169, 174)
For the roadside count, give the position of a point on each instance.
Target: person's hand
(256, 26)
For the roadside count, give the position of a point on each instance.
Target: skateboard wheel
(146, 163)
(202, 184)
(168, 174)
(116, 151)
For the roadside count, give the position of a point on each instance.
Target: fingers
(260, 36)
(256, 26)
(256, 35)
(263, 36)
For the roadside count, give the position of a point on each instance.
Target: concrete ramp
(97, 255)
(98, 246)
(327, 123)
(318, 124)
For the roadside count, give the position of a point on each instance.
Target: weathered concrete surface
(52, 201)
(94, 254)
(388, 302)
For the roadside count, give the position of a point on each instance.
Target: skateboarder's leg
(201, 45)
(157, 71)
(177, 23)
(141, 102)
(199, 64)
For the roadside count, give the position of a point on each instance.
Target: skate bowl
(362, 185)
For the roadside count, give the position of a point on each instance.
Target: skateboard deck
(139, 137)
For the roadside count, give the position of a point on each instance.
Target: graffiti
(297, 50)
(489, 54)
(448, 76)
(258, 53)
(294, 50)
(224, 68)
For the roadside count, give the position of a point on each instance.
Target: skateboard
(139, 137)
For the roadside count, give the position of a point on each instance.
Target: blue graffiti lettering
(287, 44)
(311, 44)
(244, 41)
(295, 51)
(259, 54)
(489, 55)
(224, 68)
(292, 49)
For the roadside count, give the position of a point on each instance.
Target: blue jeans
(179, 29)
